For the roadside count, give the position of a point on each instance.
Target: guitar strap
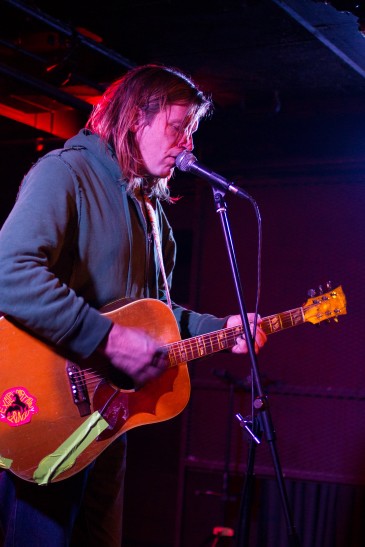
(156, 236)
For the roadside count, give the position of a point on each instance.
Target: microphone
(186, 161)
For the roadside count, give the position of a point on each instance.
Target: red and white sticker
(17, 406)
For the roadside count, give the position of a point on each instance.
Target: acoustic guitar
(57, 416)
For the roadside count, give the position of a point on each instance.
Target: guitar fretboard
(281, 321)
(212, 342)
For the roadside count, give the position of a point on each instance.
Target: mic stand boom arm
(260, 402)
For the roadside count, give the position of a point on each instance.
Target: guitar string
(91, 377)
(191, 350)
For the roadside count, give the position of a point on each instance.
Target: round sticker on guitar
(17, 406)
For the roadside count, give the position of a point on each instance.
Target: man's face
(163, 139)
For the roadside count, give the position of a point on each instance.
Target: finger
(261, 337)
(240, 346)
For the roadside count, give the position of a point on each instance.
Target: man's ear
(138, 120)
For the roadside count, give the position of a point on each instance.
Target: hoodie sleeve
(34, 242)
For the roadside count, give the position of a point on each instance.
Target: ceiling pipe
(69, 31)
(48, 89)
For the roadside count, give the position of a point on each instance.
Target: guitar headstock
(325, 306)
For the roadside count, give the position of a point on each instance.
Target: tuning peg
(320, 289)
(311, 293)
(329, 285)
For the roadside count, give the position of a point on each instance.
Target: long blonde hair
(150, 89)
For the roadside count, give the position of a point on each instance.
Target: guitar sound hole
(120, 380)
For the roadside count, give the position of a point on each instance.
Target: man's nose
(186, 142)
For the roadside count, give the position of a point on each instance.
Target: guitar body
(38, 413)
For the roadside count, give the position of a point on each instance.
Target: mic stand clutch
(261, 405)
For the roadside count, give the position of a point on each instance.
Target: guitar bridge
(78, 387)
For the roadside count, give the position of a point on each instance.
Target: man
(81, 236)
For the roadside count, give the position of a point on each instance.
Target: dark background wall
(312, 221)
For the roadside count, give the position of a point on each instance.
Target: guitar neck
(212, 342)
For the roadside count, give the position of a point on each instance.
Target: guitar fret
(280, 321)
(190, 349)
(182, 353)
(222, 342)
(179, 355)
(274, 323)
(211, 345)
(201, 350)
(297, 316)
(172, 355)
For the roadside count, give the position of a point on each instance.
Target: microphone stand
(260, 403)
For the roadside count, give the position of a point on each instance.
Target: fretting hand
(241, 345)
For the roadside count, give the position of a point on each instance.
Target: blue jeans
(84, 510)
